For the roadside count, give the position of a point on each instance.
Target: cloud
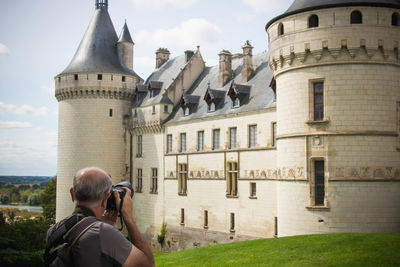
(189, 33)
(4, 50)
(260, 6)
(23, 110)
(145, 61)
(158, 4)
(244, 17)
(6, 125)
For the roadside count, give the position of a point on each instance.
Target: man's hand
(127, 206)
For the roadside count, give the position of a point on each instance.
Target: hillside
(310, 250)
(25, 179)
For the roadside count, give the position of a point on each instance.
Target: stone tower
(337, 71)
(94, 93)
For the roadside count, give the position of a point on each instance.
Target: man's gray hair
(91, 184)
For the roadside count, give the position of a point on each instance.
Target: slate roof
(97, 51)
(161, 78)
(260, 95)
(125, 36)
(299, 6)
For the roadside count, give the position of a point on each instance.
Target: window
(182, 179)
(186, 111)
(151, 93)
(211, 107)
(273, 131)
(182, 216)
(139, 180)
(75, 77)
(99, 77)
(206, 219)
(252, 136)
(232, 179)
(319, 176)
(232, 138)
(123, 79)
(281, 29)
(395, 19)
(112, 77)
(200, 141)
(154, 110)
(236, 103)
(59, 79)
(232, 222)
(165, 109)
(318, 91)
(135, 113)
(169, 143)
(313, 21)
(183, 142)
(253, 190)
(139, 146)
(356, 17)
(110, 113)
(154, 181)
(215, 139)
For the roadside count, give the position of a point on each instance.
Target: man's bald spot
(91, 175)
(90, 184)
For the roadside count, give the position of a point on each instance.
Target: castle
(303, 139)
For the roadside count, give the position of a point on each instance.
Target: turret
(125, 47)
(94, 93)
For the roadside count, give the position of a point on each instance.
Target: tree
(34, 200)
(48, 201)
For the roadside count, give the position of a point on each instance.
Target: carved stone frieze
(365, 173)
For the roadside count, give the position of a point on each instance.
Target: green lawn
(309, 250)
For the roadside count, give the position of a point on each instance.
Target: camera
(111, 205)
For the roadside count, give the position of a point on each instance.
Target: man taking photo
(88, 237)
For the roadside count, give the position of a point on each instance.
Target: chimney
(225, 67)
(247, 70)
(188, 55)
(162, 56)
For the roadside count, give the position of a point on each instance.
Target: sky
(39, 38)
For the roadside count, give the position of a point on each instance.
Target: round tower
(337, 71)
(94, 93)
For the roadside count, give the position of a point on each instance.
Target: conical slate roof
(299, 6)
(97, 51)
(125, 36)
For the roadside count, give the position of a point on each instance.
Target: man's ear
(104, 201)
(71, 191)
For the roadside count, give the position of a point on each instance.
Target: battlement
(93, 85)
(329, 36)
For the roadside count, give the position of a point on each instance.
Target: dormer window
(239, 94)
(211, 107)
(236, 103)
(189, 104)
(214, 98)
(154, 88)
(186, 111)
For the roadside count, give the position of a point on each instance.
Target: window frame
(313, 23)
(356, 17)
(169, 143)
(232, 178)
(274, 131)
(233, 143)
(253, 190)
(154, 181)
(182, 142)
(216, 139)
(252, 140)
(281, 29)
(200, 141)
(139, 180)
(182, 179)
(139, 146)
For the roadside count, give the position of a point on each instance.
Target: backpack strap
(73, 235)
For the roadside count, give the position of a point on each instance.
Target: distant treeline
(25, 179)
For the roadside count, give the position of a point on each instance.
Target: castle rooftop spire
(125, 35)
(97, 51)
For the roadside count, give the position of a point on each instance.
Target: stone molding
(363, 133)
(94, 92)
(326, 56)
(150, 127)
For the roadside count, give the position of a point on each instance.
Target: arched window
(313, 21)
(281, 29)
(395, 19)
(356, 17)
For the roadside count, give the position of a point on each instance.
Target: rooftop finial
(101, 4)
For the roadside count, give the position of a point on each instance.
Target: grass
(308, 250)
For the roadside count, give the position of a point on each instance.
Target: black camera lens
(111, 205)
